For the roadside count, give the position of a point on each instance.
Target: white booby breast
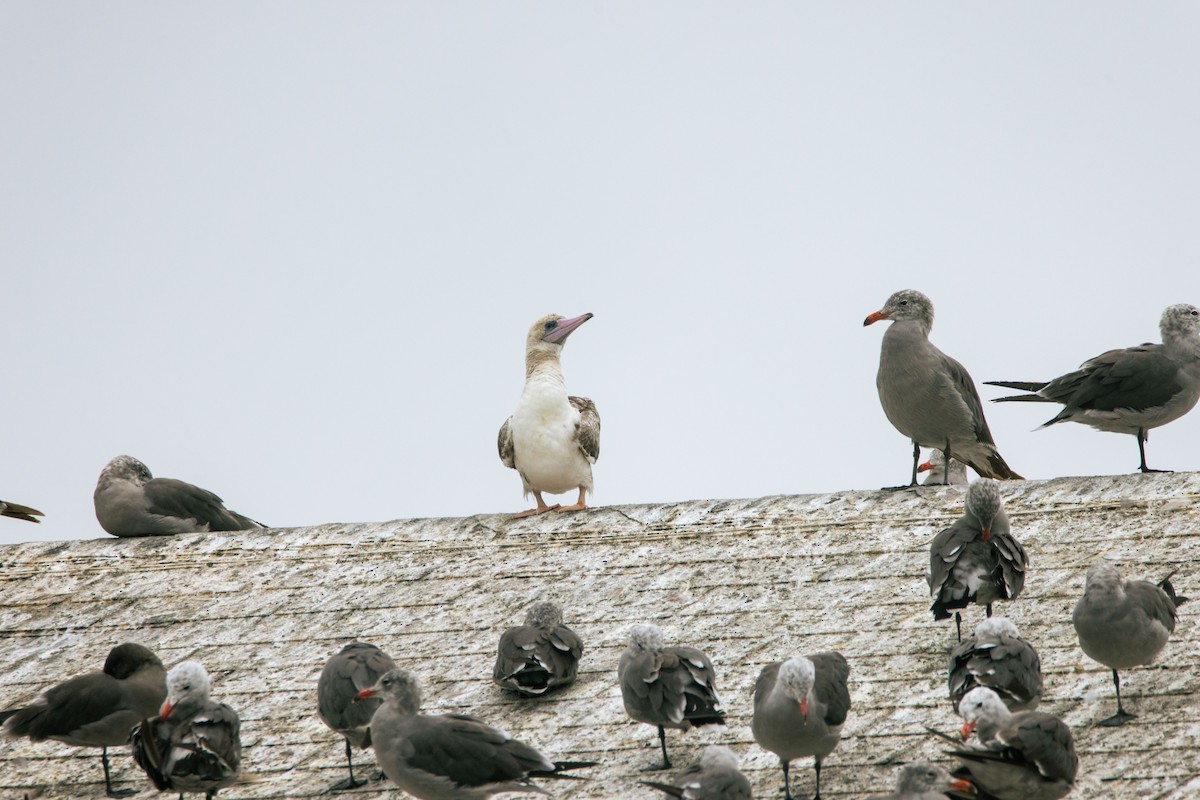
(552, 439)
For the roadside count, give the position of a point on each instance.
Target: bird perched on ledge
(132, 502)
(552, 439)
(533, 658)
(1130, 390)
(928, 396)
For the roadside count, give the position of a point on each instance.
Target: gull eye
(903, 302)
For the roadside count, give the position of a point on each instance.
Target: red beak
(166, 710)
(987, 534)
(926, 467)
(873, 318)
(804, 708)
(966, 787)
(364, 694)
(966, 730)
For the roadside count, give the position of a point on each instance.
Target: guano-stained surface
(749, 581)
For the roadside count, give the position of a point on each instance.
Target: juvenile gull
(976, 560)
(1028, 755)
(552, 439)
(450, 756)
(668, 687)
(356, 667)
(131, 502)
(921, 781)
(714, 777)
(194, 744)
(18, 511)
(1130, 390)
(97, 709)
(1123, 624)
(539, 655)
(800, 706)
(998, 658)
(936, 467)
(928, 396)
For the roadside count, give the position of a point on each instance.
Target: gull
(356, 667)
(533, 658)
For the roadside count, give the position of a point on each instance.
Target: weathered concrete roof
(749, 581)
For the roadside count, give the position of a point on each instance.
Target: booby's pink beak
(564, 328)
(926, 467)
(364, 694)
(873, 318)
(166, 709)
(966, 730)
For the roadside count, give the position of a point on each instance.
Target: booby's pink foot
(534, 511)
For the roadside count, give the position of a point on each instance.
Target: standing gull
(97, 709)
(976, 560)
(800, 706)
(998, 658)
(936, 467)
(356, 667)
(1028, 755)
(132, 502)
(18, 511)
(714, 777)
(539, 655)
(552, 439)
(450, 756)
(1130, 390)
(1123, 624)
(921, 781)
(928, 396)
(668, 687)
(194, 744)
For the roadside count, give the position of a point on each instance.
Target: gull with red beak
(1130, 390)
(921, 781)
(927, 395)
(938, 474)
(800, 706)
(976, 560)
(451, 756)
(1028, 755)
(194, 745)
(552, 439)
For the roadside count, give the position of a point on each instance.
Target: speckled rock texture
(748, 581)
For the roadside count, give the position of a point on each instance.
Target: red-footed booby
(552, 439)
(1130, 390)
(194, 744)
(97, 709)
(1124, 624)
(132, 502)
(927, 395)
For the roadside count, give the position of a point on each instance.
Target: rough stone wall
(749, 581)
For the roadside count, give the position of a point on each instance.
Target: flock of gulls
(187, 742)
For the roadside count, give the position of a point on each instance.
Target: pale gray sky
(289, 251)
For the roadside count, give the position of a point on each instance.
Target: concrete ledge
(749, 581)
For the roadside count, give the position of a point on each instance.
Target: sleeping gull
(131, 502)
(714, 777)
(533, 658)
(356, 667)
(998, 658)
(97, 709)
(921, 781)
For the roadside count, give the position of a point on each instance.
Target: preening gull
(355, 667)
(800, 706)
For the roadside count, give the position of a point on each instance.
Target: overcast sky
(289, 251)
